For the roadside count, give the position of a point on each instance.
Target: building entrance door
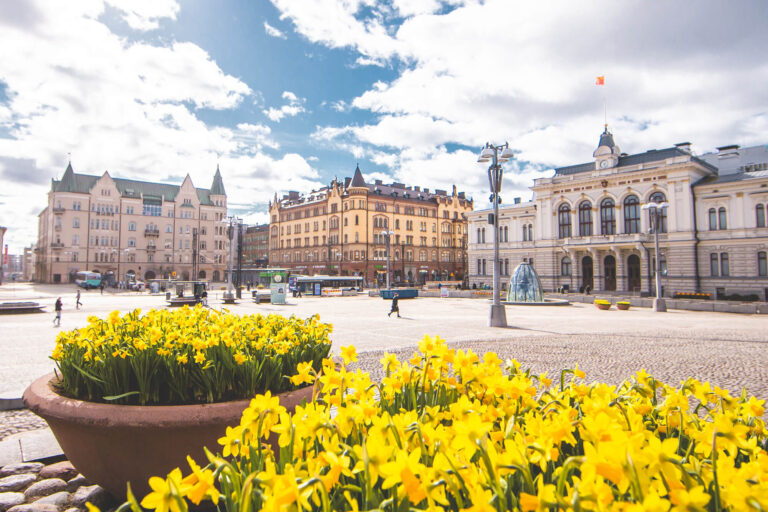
(587, 272)
(633, 273)
(610, 273)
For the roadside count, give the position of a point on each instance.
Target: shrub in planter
(623, 305)
(450, 431)
(603, 304)
(134, 394)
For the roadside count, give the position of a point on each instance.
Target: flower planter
(115, 444)
(622, 305)
(604, 307)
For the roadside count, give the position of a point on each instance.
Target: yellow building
(342, 229)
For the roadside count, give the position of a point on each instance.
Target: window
(530, 232)
(721, 218)
(76, 222)
(585, 219)
(712, 219)
(760, 214)
(357, 220)
(713, 266)
(631, 215)
(724, 270)
(131, 242)
(762, 265)
(525, 232)
(564, 221)
(607, 217)
(131, 226)
(658, 198)
(565, 266)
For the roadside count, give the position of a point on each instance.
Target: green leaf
(118, 397)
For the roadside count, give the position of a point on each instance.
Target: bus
(87, 280)
(334, 285)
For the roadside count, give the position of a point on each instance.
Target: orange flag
(600, 80)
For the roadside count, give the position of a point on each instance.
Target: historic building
(124, 228)
(342, 229)
(256, 246)
(584, 226)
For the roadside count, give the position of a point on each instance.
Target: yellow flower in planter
(167, 494)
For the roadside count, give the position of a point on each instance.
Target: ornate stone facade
(584, 225)
(121, 227)
(337, 230)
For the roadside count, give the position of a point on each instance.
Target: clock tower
(607, 152)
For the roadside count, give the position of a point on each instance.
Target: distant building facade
(256, 246)
(123, 228)
(29, 263)
(2, 252)
(584, 226)
(341, 230)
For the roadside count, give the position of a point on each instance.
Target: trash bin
(239, 293)
(167, 295)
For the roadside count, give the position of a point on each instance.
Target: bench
(12, 308)
(183, 301)
(229, 300)
(261, 297)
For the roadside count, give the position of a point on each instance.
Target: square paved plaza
(729, 350)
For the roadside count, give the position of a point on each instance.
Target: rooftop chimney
(684, 146)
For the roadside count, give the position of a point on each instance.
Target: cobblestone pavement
(13, 422)
(729, 350)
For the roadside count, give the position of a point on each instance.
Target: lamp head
(486, 154)
(507, 154)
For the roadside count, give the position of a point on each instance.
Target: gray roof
(735, 159)
(217, 188)
(606, 139)
(654, 155)
(83, 183)
(357, 179)
(735, 176)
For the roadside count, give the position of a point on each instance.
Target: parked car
(136, 286)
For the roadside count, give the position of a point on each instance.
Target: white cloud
(274, 32)
(75, 87)
(294, 107)
(145, 14)
(525, 71)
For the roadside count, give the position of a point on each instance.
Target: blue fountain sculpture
(524, 286)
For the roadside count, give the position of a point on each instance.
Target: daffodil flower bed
(603, 302)
(186, 356)
(449, 431)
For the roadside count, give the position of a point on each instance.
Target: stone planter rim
(41, 396)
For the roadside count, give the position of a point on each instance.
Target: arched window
(658, 198)
(712, 219)
(565, 266)
(762, 264)
(525, 232)
(713, 268)
(760, 214)
(530, 232)
(607, 217)
(564, 221)
(357, 220)
(721, 218)
(631, 215)
(585, 218)
(724, 269)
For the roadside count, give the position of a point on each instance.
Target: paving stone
(60, 499)
(93, 493)
(34, 507)
(74, 509)
(10, 499)
(77, 482)
(64, 470)
(16, 482)
(21, 467)
(45, 488)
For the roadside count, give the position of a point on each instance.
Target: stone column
(621, 269)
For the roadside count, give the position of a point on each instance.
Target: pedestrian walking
(57, 308)
(77, 301)
(101, 286)
(395, 307)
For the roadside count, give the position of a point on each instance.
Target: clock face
(277, 278)
(604, 164)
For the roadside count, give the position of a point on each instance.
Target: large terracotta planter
(115, 444)
(604, 307)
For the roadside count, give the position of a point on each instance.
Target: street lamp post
(490, 153)
(656, 211)
(386, 234)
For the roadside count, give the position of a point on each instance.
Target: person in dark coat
(395, 307)
(57, 307)
(77, 301)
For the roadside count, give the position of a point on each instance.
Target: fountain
(525, 289)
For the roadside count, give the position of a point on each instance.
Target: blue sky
(287, 94)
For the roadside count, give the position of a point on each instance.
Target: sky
(288, 94)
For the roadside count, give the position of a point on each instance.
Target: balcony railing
(58, 210)
(57, 245)
(151, 232)
(151, 247)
